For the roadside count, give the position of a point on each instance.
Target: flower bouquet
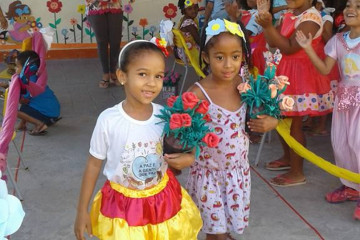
(170, 83)
(185, 117)
(262, 95)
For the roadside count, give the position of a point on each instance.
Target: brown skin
(143, 83)
(224, 58)
(289, 46)
(191, 13)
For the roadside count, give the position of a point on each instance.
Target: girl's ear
(205, 57)
(121, 76)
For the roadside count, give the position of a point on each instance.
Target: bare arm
(91, 174)
(275, 39)
(208, 10)
(327, 31)
(263, 123)
(279, 9)
(180, 160)
(323, 66)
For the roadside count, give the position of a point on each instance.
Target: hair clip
(161, 44)
(188, 3)
(217, 26)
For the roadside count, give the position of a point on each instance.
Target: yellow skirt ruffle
(185, 225)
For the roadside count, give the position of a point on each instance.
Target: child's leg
(223, 236)
(22, 125)
(39, 125)
(283, 163)
(296, 175)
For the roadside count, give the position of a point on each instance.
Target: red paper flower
(207, 118)
(175, 121)
(211, 139)
(54, 6)
(171, 100)
(186, 120)
(143, 22)
(189, 100)
(203, 107)
(170, 10)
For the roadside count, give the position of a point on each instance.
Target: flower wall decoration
(89, 31)
(81, 10)
(65, 33)
(127, 9)
(144, 22)
(170, 11)
(73, 23)
(54, 6)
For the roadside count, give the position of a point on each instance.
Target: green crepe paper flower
(258, 98)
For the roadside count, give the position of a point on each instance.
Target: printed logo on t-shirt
(145, 168)
(351, 65)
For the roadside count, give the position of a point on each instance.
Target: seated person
(42, 110)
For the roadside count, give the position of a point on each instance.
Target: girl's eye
(142, 74)
(160, 77)
(236, 57)
(219, 58)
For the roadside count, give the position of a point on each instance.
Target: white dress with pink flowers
(219, 181)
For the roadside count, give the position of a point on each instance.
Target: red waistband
(141, 211)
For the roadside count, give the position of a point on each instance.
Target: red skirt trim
(141, 211)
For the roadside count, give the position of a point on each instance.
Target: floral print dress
(219, 181)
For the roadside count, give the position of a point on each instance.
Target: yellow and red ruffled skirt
(163, 212)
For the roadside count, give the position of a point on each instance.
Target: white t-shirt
(132, 148)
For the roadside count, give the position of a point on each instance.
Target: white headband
(127, 45)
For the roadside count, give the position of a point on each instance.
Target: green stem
(74, 33)
(91, 35)
(128, 27)
(56, 33)
(143, 32)
(82, 30)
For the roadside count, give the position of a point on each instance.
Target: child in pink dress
(310, 90)
(343, 48)
(219, 181)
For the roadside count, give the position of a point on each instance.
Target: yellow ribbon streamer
(283, 129)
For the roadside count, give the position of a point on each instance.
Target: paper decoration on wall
(144, 22)
(54, 6)
(170, 11)
(127, 9)
(22, 22)
(81, 9)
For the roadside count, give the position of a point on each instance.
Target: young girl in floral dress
(219, 180)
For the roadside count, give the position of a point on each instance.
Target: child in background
(219, 181)
(317, 125)
(189, 27)
(42, 110)
(215, 9)
(310, 90)
(343, 48)
(141, 198)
